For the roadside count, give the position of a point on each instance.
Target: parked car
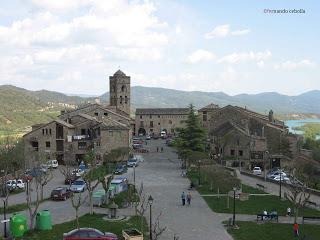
(132, 162)
(275, 174)
(78, 186)
(88, 234)
(148, 137)
(61, 193)
(70, 179)
(137, 146)
(120, 169)
(36, 171)
(283, 179)
(52, 164)
(139, 158)
(257, 171)
(11, 184)
(78, 172)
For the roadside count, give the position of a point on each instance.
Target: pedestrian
(189, 198)
(161, 149)
(288, 211)
(157, 149)
(183, 199)
(296, 229)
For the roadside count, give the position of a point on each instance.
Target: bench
(267, 217)
(310, 219)
(261, 187)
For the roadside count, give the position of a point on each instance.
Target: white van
(52, 164)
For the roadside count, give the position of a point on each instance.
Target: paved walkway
(160, 174)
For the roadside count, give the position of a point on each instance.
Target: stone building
(151, 121)
(93, 126)
(205, 113)
(246, 137)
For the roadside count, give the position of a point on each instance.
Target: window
(158, 123)
(47, 144)
(125, 99)
(141, 123)
(232, 152)
(123, 88)
(120, 99)
(46, 131)
(83, 131)
(240, 152)
(82, 145)
(204, 117)
(158, 116)
(105, 114)
(50, 132)
(42, 131)
(150, 116)
(140, 116)
(170, 121)
(151, 123)
(96, 114)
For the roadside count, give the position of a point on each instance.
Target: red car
(60, 193)
(88, 234)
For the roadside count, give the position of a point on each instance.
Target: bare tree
(33, 188)
(141, 206)
(297, 193)
(157, 229)
(77, 201)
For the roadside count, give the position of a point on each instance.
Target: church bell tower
(120, 91)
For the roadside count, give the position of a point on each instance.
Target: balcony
(81, 137)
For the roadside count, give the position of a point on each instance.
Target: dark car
(61, 193)
(70, 179)
(88, 233)
(120, 169)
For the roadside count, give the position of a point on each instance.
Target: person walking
(157, 149)
(296, 229)
(183, 199)
(161, 149)
(189, 198)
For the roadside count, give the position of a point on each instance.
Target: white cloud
(200, 55)
(291, 65)
(224, 30)
(134, 54)
(245, 57)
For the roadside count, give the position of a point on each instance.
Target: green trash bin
(18, 225)
(43, 220)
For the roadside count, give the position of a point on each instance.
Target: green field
(93, 221)
(267, 231)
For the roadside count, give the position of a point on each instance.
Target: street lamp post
(199, 176)
(150, 201)
(5, 217)
(134, 175)
(280, 184)
(234, 206)
(265, 166)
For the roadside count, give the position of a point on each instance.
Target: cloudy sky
(72, 46)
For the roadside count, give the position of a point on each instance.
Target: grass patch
(252, 190)
(255, 205)
(93, 221)
(267, 231)
(18, 207)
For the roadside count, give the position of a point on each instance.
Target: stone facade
(75, 132)
(240, 134)
(151, 121)
(205, 113)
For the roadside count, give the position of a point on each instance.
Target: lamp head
(150, 200)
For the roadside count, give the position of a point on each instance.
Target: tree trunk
(91, 202)
(41, 193)
(77, 218)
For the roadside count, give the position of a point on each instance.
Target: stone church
(93, 126)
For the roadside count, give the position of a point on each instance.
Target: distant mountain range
(20, 108)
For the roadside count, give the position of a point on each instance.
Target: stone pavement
(160, 174)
